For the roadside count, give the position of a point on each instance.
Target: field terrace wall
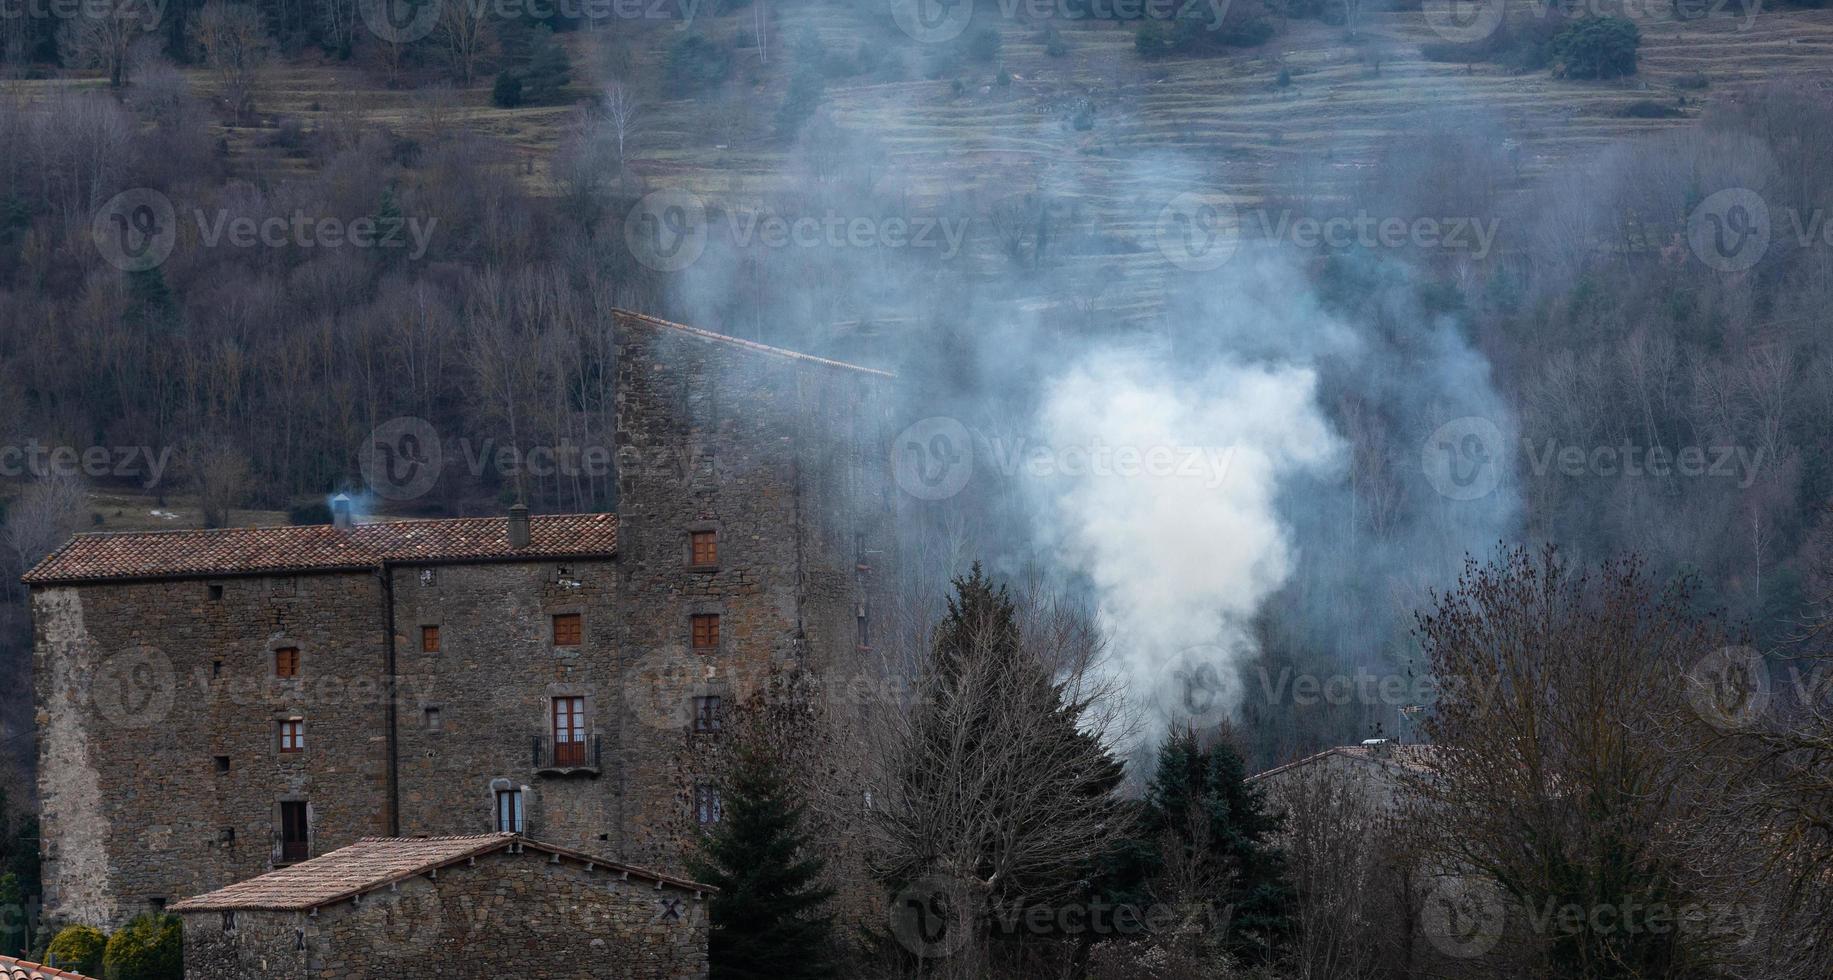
(785, 458)
(483, 907)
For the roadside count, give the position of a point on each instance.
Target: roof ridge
(702, 332)
(353, 526)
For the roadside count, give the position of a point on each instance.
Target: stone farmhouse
(215, 705)
(489, 905)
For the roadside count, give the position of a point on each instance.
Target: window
(706, 804)
(429, 639)
(703, 548)
(286, 662)
(292, 735)
(865, 627)
(222, 763)
(295, 835)
(226, 836)
(228, 920)
(569, 731)
(432, 719)
(566, 629)
(707, 714)
(429, 576)
(216, 668)
(705, 631)
(216, 593)
(509, 811)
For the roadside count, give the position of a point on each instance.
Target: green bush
(507, 92)
(1054, 45)
(984, 45)
(149, 948)
(696, 64)
(1596, 47)
(78, 949)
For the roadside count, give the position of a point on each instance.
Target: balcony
(566, 758)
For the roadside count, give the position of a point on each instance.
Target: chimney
(340, 511)
(518, 526)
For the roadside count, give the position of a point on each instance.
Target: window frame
(429, 638)
(290, 732)
(567, 717)
(695, 622)
(709, 714)
(709, 809)
(518, 818)
(287, 662)
(577, 622)
(695, 557)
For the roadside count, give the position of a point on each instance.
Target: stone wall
(509, 915)
(160, 774)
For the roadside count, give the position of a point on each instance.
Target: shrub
(548, 70)
(984, 45)
(1596, 47)
(78, 949)
(507, 92)
(1054, 45)
(695, 64)
(149, 948)
(1693, 82)
(1649, 109)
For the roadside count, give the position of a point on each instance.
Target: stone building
(213, 705)
(491, 905)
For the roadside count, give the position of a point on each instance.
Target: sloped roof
(1417, 758)
(318, 547)
(644, 319)
(17, 969)
(376, 862)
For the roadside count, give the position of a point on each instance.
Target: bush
(984, 45)
(149, 948)
(1694, 82)
(1596, 47)
(695, 65)
(1649, 109)
(507, 92)
(78, 949)
(548, 70)
(1054, 45)
(1196, 37)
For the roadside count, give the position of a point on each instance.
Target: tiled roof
(625, 316)
(318, 547)
(17, 969)
(1415, 757)
(376, 862)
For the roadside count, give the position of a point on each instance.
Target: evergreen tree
(769, 918)
(548, 69)
(1200, 811)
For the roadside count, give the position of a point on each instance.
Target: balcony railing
(566, 758)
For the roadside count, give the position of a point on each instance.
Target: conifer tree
(769, 917)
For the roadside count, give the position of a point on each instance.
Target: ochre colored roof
(318, 547)
(376, 862)
(644, 319)
(17, 969)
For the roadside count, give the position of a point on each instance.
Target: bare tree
(220, 475)
(103, 35)
(43, 517)
(464, 31)
(235, 45)
(624, 113)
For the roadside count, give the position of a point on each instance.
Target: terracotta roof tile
(317, 547)
(375, 862)
(17, 969)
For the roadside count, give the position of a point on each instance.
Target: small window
(429, 576)
(226, 836)
(292, 735)
(566, 629)
(216, 668)
(432, 720)
(865, 628)
(705, 631)
(703, 547)
(286, 662)
(707, 715)
(707, 810)
(222, 763)
(509, 811)
(429, 639)
(216, 593)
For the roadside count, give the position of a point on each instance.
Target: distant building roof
(17, 969)
(1417, 758)
(643, 319)
(107, 556)
(377, 862)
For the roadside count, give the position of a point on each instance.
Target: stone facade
(160, 768)
(508, 913)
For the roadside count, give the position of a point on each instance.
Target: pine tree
(769, 918)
